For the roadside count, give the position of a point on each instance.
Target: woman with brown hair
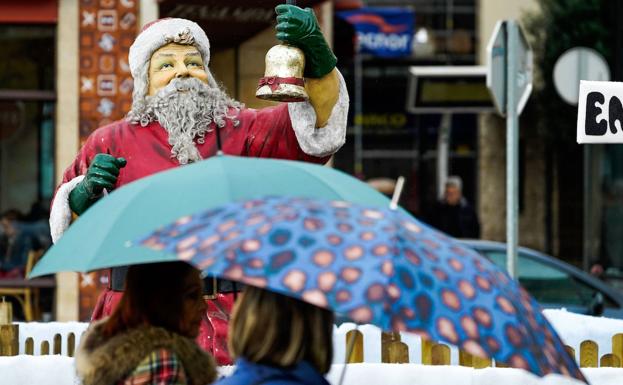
(278, 340)
(149, 339)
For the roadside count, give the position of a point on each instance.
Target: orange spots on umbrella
(315, 297)
(225, 226)
(235, 272)
(209, 241)
(447, 330)
(231, 235)
(186, 255)
(353, 252)
(506, 305)
(350, 274)
(518, 361)
(295, 280)
(343, 296)
(312, 224)
(375, 292)
(469, 325)
(367, 236)
(373, 214)
(474, 348)
(456, 264)
(254, 219)
(256, 263)
(450, 299)
(187, 242)
(260, 282)
(361, 314)
(467, 289)
(483, 317)
(380, 250)
(412, 227)
(387, 268)
(264, 229)
(483, 283)
(393, 291)
(251, 245)
(326, 281)
(323, 258)
(334, 240)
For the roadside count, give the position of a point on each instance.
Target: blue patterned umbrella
(375, 266)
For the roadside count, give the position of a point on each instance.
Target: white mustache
(183, 85)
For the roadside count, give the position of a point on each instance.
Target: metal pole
(443, 142)
(358, 115)
(512, 153)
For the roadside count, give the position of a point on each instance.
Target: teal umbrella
(99, 238)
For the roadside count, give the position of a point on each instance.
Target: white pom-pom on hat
(162, 32)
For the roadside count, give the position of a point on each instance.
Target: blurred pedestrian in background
(453, 214)
(18, 239)
(278, 340)
(149, 338)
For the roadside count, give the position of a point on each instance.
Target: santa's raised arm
(177, 103)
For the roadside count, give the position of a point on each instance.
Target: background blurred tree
(558, 26)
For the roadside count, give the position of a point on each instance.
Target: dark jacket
(249, 373)
(459, 221)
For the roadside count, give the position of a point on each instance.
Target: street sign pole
(512, 141)
(509, 79)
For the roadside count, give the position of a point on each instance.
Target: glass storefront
(27, 100)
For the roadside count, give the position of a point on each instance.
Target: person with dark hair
(149, 338)
(278, 340)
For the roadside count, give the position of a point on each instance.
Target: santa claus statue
(177, 106)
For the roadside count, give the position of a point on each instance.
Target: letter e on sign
(600, 112)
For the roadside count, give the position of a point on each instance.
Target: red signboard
(29, 12)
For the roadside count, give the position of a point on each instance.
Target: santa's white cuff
(60, 213)
(326, 140)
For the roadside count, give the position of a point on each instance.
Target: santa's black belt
(117, 283)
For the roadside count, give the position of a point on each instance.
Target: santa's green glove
(102, 174)
(299, 27)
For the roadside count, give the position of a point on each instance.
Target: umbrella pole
(397, 192)
(349, 351)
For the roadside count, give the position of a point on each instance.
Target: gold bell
(283, 79)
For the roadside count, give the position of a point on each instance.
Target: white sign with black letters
(600, 112)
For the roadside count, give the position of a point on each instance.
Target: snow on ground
(39, 370)
(574, 328)
(58, 370)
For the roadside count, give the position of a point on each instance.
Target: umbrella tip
(128, 244)
(397, 192)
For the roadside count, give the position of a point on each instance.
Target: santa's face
(174, 61)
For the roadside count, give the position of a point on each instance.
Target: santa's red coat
(261, 133)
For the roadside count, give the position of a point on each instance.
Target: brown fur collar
(101, 361)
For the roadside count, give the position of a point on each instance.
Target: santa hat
(160, 33)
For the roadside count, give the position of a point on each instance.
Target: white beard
(186, 108)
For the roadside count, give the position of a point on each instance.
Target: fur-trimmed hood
(101, 361)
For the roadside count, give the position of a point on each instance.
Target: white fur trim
(60, 213)
(160, 33)
(328, 139)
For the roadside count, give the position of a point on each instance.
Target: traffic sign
(579, 63)
(497, 67)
